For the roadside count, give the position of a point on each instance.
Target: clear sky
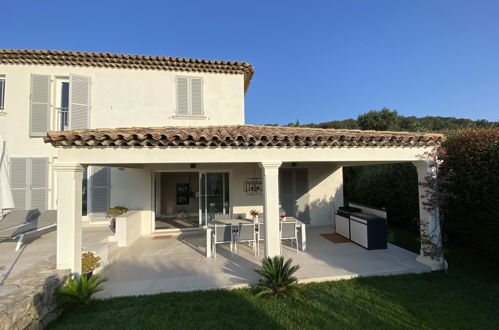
(315, 61)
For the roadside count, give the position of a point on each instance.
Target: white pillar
(69, 196)
(429, 220)
(270, 171)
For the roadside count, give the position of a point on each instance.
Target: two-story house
(167, 136)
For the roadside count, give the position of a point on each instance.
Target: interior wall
(169, 181)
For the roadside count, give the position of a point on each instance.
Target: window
(62, 105)
(189, 96)
(2, 93)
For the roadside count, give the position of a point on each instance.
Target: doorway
(189, 200)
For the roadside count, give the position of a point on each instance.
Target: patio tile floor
(179, 264)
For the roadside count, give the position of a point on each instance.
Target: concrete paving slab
(179, 264)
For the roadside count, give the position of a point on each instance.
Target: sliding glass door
(214, 196)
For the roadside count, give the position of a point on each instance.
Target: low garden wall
(28, 300)
(131, 226)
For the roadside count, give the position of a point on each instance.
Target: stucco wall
(325, 184)
(119, 98)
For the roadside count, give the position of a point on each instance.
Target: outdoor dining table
(210, 229)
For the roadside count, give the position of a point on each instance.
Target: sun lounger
(18, 223)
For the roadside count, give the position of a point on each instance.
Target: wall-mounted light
(293, 164)
(193, 165)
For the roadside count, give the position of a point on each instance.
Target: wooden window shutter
(79, 102)
(19, 182)
(39, 183)
(99, 191)
(196, 96)
(39, 109)
(182, 96)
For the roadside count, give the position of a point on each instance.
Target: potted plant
(115, 212)
(89, 263)
(254, 214)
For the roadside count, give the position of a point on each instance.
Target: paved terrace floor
(40, 247)
(163, 264)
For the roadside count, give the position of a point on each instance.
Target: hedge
(469, 184)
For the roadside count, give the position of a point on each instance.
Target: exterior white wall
(119, 98)
(133, 187)
(129, 227)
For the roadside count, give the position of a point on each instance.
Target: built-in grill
(365, 229)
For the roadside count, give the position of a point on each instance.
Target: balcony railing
(63, 119)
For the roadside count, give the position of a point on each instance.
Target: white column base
(434, 264)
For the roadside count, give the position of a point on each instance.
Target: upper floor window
(2, 93)
(62, 104)
(189, 96)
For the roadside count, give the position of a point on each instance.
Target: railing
(62, 119)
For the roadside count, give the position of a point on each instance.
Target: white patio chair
(289, 232)
(246, 233)
(261, 235)
(222, 235)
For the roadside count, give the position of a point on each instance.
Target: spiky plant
(78, 291)
(277, 277)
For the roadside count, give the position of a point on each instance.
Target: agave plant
(277, 277)
(78, 291)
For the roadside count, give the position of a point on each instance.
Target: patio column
(69, 196)
(270, 171)
(431, 237)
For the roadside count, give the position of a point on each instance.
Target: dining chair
(246, 233)
(289, 232)
(222, 235)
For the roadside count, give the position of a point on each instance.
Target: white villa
(166, 138)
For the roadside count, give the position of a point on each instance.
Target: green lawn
(467, 297)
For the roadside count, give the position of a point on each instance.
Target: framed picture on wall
(182, 193)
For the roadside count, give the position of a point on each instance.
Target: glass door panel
(214, 195)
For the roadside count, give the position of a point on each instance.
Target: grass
(466, 297)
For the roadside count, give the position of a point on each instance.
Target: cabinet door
(358, 233)
(343, 226)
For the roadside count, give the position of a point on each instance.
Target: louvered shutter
(196, 96)
(286, 197)
(39, 105)
(182, 96)
(79, 102)
(99, 191)
(19, 182)
(39, 183)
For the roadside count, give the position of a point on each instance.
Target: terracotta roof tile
(239, 136)
(124, 61)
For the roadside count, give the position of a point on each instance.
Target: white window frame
(189, 99)
(2, 86)
(57, 103)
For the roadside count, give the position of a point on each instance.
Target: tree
(382, 120)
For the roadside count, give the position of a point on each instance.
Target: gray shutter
(79, 102)
(39, 109)
(196, 96)
(19, 182)
(39, 183)
(99, 191)
(182, 96)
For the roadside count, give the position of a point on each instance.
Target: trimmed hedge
(469, 184)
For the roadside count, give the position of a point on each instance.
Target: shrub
(116, 211)
(277, 277)
(78, 291)
(89, 262)
(469, 182)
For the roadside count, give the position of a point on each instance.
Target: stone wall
(27, 300)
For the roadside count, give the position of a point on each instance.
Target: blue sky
(315, 61)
